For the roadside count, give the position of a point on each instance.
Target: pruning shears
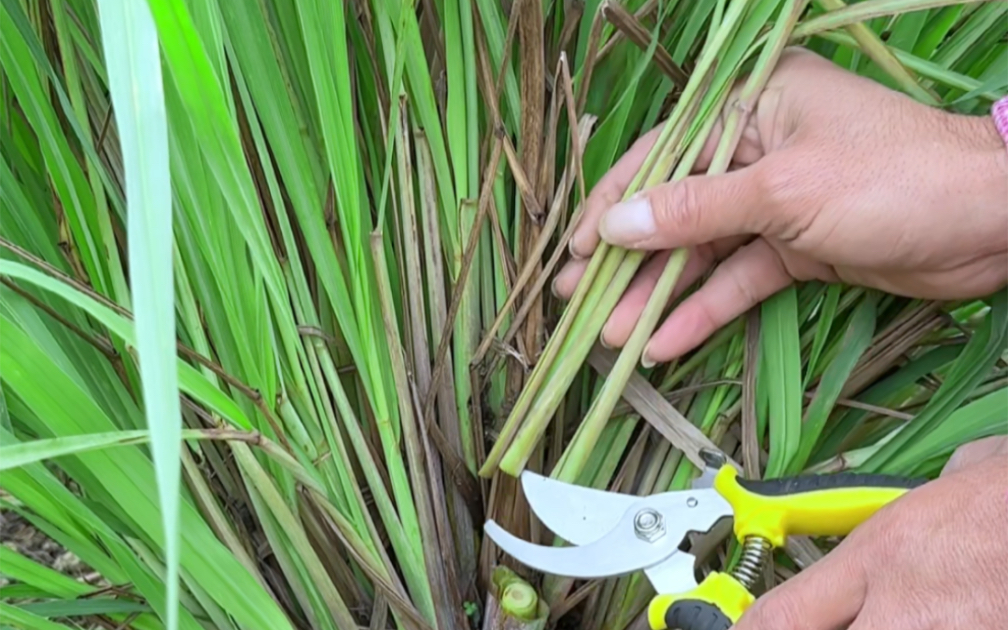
(617, 534)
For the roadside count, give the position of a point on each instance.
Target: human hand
(934, 559)
(976, 451)
(836, 178)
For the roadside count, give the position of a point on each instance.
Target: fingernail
(646, 361)
(553, 287)
(628, 222)
(601, 338)
(573, 252)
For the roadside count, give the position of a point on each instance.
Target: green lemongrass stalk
(587, 435)
(514, 603)
(598, 415)
(517, 597)
(603, 276)
(463, 143)
(332, 601)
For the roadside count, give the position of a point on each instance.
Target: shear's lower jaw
(677, 574)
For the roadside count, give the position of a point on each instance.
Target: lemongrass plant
(273, 294)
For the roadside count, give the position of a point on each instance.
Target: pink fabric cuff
(999, 112)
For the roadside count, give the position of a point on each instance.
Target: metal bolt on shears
(613, 534)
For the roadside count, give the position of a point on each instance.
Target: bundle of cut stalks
(276, 338)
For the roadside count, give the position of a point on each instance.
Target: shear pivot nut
(649, 525)
(712, 458)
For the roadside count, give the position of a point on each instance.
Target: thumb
(827, 595)
(692, 211)
(974, 452)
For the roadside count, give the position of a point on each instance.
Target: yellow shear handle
(810, 505)
(716, 604)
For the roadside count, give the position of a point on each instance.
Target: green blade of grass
(127, 481)
(67, 177)
(48, 581)
(976, 420)
(872, 46)
(105, 606)
(22, 619)
(983, 349)
(839, 434)
(134, 69)
(781, 377)
(986, 17)
(939, 24)
(923, 67)
(97, 173)
(826, 315)
(19, 454)
(863, 11)
(856, 339)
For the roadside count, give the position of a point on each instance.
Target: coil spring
(755, 553)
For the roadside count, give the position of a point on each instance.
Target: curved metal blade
(674, 575)
(705, 480)
(577, 514)
(622, 551)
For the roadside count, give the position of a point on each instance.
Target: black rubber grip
(692, 614)
(812, 483)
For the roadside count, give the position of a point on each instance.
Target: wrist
(980, 157)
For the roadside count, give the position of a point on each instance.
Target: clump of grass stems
(611, 268)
